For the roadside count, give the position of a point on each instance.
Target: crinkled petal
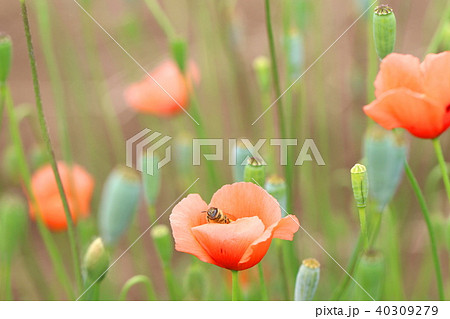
(436, 73)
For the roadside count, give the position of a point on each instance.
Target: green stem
(263, 286)
(363, 223)
(161, 18)
(235, 290)
(5, 280)
(2, 102)
(49, 242)
(426, 216)
(170, 282)
(437, 37)
(45, 133)
(151, 212)
(442, 164)
(139, 279)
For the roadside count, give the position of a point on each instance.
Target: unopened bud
(307, 280)
(96, 261)
(360, 184)
(384, 30)
(151, 178)
(196, 283)
(118, 204)
(370, 275)
(241, 154)
(163, 242)
(5, 57)
(276, 186)
(255, 172)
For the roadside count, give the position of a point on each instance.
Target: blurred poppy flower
(78, 186)
(413, 95)
(166, 98)
(240, 244)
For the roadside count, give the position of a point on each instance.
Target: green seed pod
(276, 186)
(196, 282)
(151, 182)
(241, 154)
(13, 224)
(370, 275)
(307, 280)
(295, 53)
(360, 184)
(5, 57)
(384, 30)
(255, 172)
(179, 53)
(118, 204)
(163, 242)
(385, 153)
(96, 261)
(261, 65)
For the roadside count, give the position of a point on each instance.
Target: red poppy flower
(166, 97)
(413, 95)
(240, 244)
(78, 186)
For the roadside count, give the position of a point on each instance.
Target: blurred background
(224, 37)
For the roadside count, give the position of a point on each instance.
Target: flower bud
(163, 242)
(196, 283)
(13, 224)
(360, 184)
(151, 178)
(96, 261)
(179, 53)
(384, 30)
(118, 204)
(370, 275)
(241, 154)
(385, 153)
(295, 53)
(5, 57)
(261, 65)
(307, 280)
(255, 172)
(9, 163)
(276, 186)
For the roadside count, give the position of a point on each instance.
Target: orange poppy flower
(149, 97)
(78, 186)
(413, 95)
(242, 243)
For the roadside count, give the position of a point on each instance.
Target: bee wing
(231, 217)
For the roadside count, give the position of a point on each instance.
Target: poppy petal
(436, 71)
(399, 71)
(226, 243)
(247, 200)
(409, 110)
(185, 215)
(283, 229)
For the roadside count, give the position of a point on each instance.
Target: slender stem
(442, 164)
(235, 291)
(2, 102)
(5, 280)
(363, 223)
(170, 282)
(24, 170)
(46, 136)
(263, 286)
(139, 279)
(276, 83)
(161, 18)
(426, 216)
(151, 212)
(437, 37)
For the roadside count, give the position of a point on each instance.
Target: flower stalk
(444, 170)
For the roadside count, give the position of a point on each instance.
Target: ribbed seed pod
(163, 242)
(385, 153)
(261, 65)
(13, 224)
(119, 203)
(384, 30)
(151, 182)
(276, 186)
(96, 261)
(240, 153)
(5, 57)
(360, 184)
(255, 172)
(370, 275)
(307, 280)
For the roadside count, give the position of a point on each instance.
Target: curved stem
(443, 165)
(235, 291)
(46, 136)
(161, 18)
(426, 216)
(139, 279)
(262, 281)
